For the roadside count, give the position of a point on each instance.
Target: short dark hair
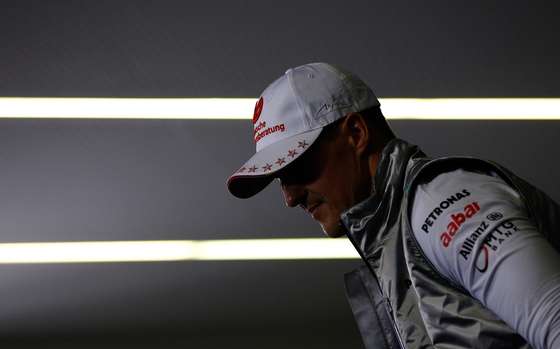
(377, 126)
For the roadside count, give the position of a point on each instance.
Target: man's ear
(356, 130)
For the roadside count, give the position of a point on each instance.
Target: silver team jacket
(398, 297)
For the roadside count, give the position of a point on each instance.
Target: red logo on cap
(258, 110)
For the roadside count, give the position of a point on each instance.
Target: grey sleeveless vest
(398, 298)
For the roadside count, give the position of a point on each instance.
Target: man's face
(327, 180)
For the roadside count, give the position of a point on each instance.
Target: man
(459, 252)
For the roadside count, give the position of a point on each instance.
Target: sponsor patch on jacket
(441, 207)
(490, 244)
(457, 220)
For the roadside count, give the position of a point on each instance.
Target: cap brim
(259, 170)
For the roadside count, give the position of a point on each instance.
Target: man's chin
(333, 230)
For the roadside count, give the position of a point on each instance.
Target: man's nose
(293, 194)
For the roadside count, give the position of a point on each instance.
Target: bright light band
(242, 108)
(472, 108)
(176, 250)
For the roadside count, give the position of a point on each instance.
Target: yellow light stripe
(472, 108)
(242, 108)
(176, 250)
(127, 108)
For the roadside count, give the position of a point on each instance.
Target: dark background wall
(73, 180)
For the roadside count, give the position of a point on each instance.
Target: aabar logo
(457, 220)
(258, 110)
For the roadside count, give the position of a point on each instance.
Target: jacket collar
(368, 222)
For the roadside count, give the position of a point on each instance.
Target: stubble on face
(330, 178)
(322, 211)
(336, 189)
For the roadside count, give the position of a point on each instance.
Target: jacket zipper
(388, 307)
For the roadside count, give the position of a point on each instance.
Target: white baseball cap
(289, 116)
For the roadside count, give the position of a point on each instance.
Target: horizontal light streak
(472, 108)
(127, 108)
(176, 250)
(242, 108)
